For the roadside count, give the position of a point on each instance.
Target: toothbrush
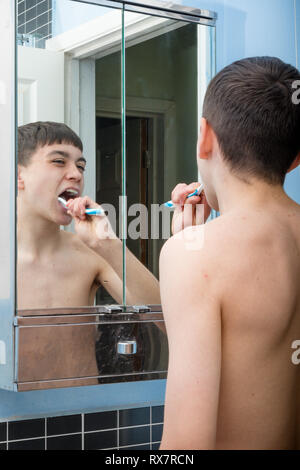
(195, 193)
(87, 211)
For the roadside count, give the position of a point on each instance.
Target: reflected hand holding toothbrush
(95, 211)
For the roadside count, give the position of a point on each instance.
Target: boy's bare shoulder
(197, 252)
(206, 240)
(73, 240)
(225, 245)
(72, 243)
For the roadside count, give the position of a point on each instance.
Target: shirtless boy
(232, 307)
(57, 268)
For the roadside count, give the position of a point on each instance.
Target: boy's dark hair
(250, 108)
(37, 134)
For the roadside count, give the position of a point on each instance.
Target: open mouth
(69, 194)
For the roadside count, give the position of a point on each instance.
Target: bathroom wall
(244, 28)
(254, 28)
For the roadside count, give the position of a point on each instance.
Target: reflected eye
(59, 161)
(81, 168)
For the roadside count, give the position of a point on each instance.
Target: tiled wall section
(35, 19)
(138, 428)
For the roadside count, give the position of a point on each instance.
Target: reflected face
(54, 170)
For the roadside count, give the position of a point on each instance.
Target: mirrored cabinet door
(69, 162)
(7, 191)
(169, 62)
(64, 70)
(108, 102)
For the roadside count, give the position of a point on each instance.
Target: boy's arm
(141, 285)
(109, 279)
(192, 314)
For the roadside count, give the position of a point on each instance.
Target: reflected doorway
(144, 180)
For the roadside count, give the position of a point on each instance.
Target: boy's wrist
(106, 246)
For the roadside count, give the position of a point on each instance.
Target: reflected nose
(74, 173)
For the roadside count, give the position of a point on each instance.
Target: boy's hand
(90, 228)
(187, 211)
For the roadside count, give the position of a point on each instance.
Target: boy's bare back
(250, 268)
(259, 403)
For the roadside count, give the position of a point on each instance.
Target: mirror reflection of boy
(232, 304)
(57, 268)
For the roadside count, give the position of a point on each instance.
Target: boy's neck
(235, 194)
(36, 236)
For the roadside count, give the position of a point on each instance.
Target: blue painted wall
(254, 28)
(244, 28)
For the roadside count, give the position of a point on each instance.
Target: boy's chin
(63, 220)
(67, 221)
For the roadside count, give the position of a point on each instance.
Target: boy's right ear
(21, 184)
(295, 163)
(204, 145)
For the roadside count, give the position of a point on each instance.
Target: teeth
(72, 191)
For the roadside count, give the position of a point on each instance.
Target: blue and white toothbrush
(195, 193)
(87, 211)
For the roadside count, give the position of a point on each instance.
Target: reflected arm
(141, 286)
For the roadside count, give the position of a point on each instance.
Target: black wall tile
(139, 447)
(100, 440)
(3, 428)
(30, 14)
(21, 7)
(42, 20)
(131, 436)
(155, 446)
(134, 417)
(157, 430)
(30, 26)
(65, 443)
(30, 3)
(42, 32)
(26, 429)
(63, 425)
(21, 19)
(100, 431)
(97, 421)
(35, 15)
(42, 7)
(158, 414)
(31, 444)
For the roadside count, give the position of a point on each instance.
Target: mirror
(57, 266)
(56, 82)
(169, 63)
(128, 83)
(161, 124)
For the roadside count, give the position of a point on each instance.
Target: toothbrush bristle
(62, 201)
